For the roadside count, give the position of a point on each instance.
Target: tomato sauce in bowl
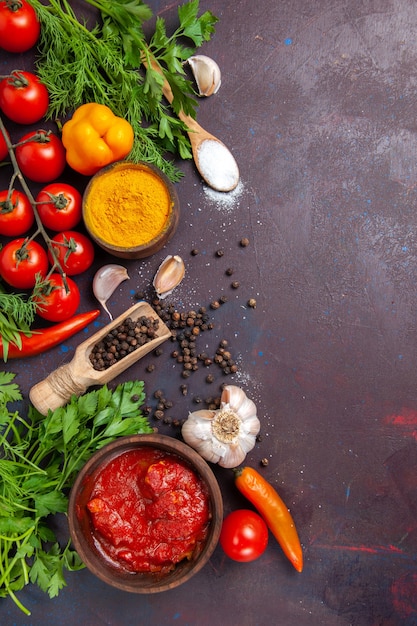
(145, 513)
(149, 511)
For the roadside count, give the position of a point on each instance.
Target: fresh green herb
(17, 313)
(101, 64)
(40, 457)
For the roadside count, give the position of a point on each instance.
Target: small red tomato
(40, 156)
(21, 261)
(59, 206)
(74, 251)
(244, 535)
(16, 213)
(58, 304)
(23, 98)
(19, 26)
(3, 146)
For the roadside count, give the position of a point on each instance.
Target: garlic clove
(106, 281)
(233, 457)
(237, 399)
(206, 73)
(168, 276)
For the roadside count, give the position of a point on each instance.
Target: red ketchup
(149, 510)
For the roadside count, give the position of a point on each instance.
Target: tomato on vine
(59, 206)
(40, 156)
(74, 252)
(244, 535)
(16, 213)
(23, 98)
(57, 301)
(21, 261)
(19, 26)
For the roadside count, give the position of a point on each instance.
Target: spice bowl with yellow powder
(131, 210)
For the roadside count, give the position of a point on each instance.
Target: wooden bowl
(82, 531)
(139, 185)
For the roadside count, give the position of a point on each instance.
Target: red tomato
(40, 156)
(16, 213)
(21, 261)
(59, 206)
(3, 147)
(19, 26)
(23, 98)
(57, 304)
(75, 252)
(244, 535)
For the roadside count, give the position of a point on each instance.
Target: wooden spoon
(76, 376)
(213, 159)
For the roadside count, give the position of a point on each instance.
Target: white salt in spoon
(212, 158)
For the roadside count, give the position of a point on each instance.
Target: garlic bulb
(106, 280)
(206, 73)
(169, 275)
(226, 435)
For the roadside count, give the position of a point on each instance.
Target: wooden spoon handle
(167, 91)
(57, 388)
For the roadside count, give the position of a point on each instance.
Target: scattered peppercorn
(215, 304)
(252, 303)
(235, 284)
(244, 242)
(264, 462)
(229, 271)
(219, 253)
(209, 378)
(194, 252)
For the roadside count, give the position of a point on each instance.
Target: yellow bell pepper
(95, 137)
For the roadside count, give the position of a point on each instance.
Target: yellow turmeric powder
(127, 206)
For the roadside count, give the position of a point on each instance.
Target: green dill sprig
(17, 314)
(104, 64)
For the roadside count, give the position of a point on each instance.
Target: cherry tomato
(60, 206)
(19, 26)
(40, 156)
(16, 213)
(244, 535)
(23, 98)
(75, 252)
(57, 304)
(3, 147)
(21, 261)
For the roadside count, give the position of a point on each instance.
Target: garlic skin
(169, 275)
(226, 435)
(105, 282)
(206, 73)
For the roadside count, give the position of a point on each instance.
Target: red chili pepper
(274, 511)
(43, 339)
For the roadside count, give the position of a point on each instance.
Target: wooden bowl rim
(144, 583)
(153, 245)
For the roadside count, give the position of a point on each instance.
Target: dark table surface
(318, 105)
